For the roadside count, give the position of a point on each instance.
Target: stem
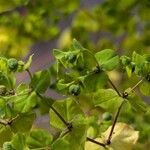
(62, 135)
(3, 122)
(29, 73)
(114, 123)
(136, 85)
(6, 122)
(93, 141)
(115, 88)
(57, 113)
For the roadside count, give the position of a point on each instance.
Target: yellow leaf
(124, 138)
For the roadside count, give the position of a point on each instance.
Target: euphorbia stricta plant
(94, 114)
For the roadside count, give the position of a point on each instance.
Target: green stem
(136, 85)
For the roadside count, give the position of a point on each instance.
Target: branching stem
(96, 142)
(6, 122)
(114, 123)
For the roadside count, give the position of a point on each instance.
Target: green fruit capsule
(12, 64)
(106, 116)
(3, 90)
(74, 90)
(7, 146)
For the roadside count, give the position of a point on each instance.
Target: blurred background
(35, 26)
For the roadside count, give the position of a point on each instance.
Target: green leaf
(41, 81)
(136, 102)
(145, 88)
(64, 144)
(28, 63)
(5, 134)
(61, 85)
(88, 59)
(76, 45)
(58, 54)
(44, 105)
(23, 123)
(25, 102)
(5, 109)
(138, 59)
(107, 59)
(39, 138)
(107, 99)
(8, 80)
(3, 65)
(19, 142)
(95, 81)
(142, 66)
(68, 108)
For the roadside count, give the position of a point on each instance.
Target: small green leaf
(28, 63)
(39, 138)
(64, 144)
(95, 81)
(5, 109)
(41, 81)
(44, 105)
(7, 146)
(145, 88)
(58, 54)
(5, 134)
(23, 122)
(61, 85)
(76, 45)
(3, 65)
(107, 59)
(107, 99)
(24, 102)
(19, 142)
(136, 103)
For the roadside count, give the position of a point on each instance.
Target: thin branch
(56, 112)
(136, 85)
(96, 142)
(29, 73)
(62, 135)
(115, 88)
(114, 123)
(6, 122)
